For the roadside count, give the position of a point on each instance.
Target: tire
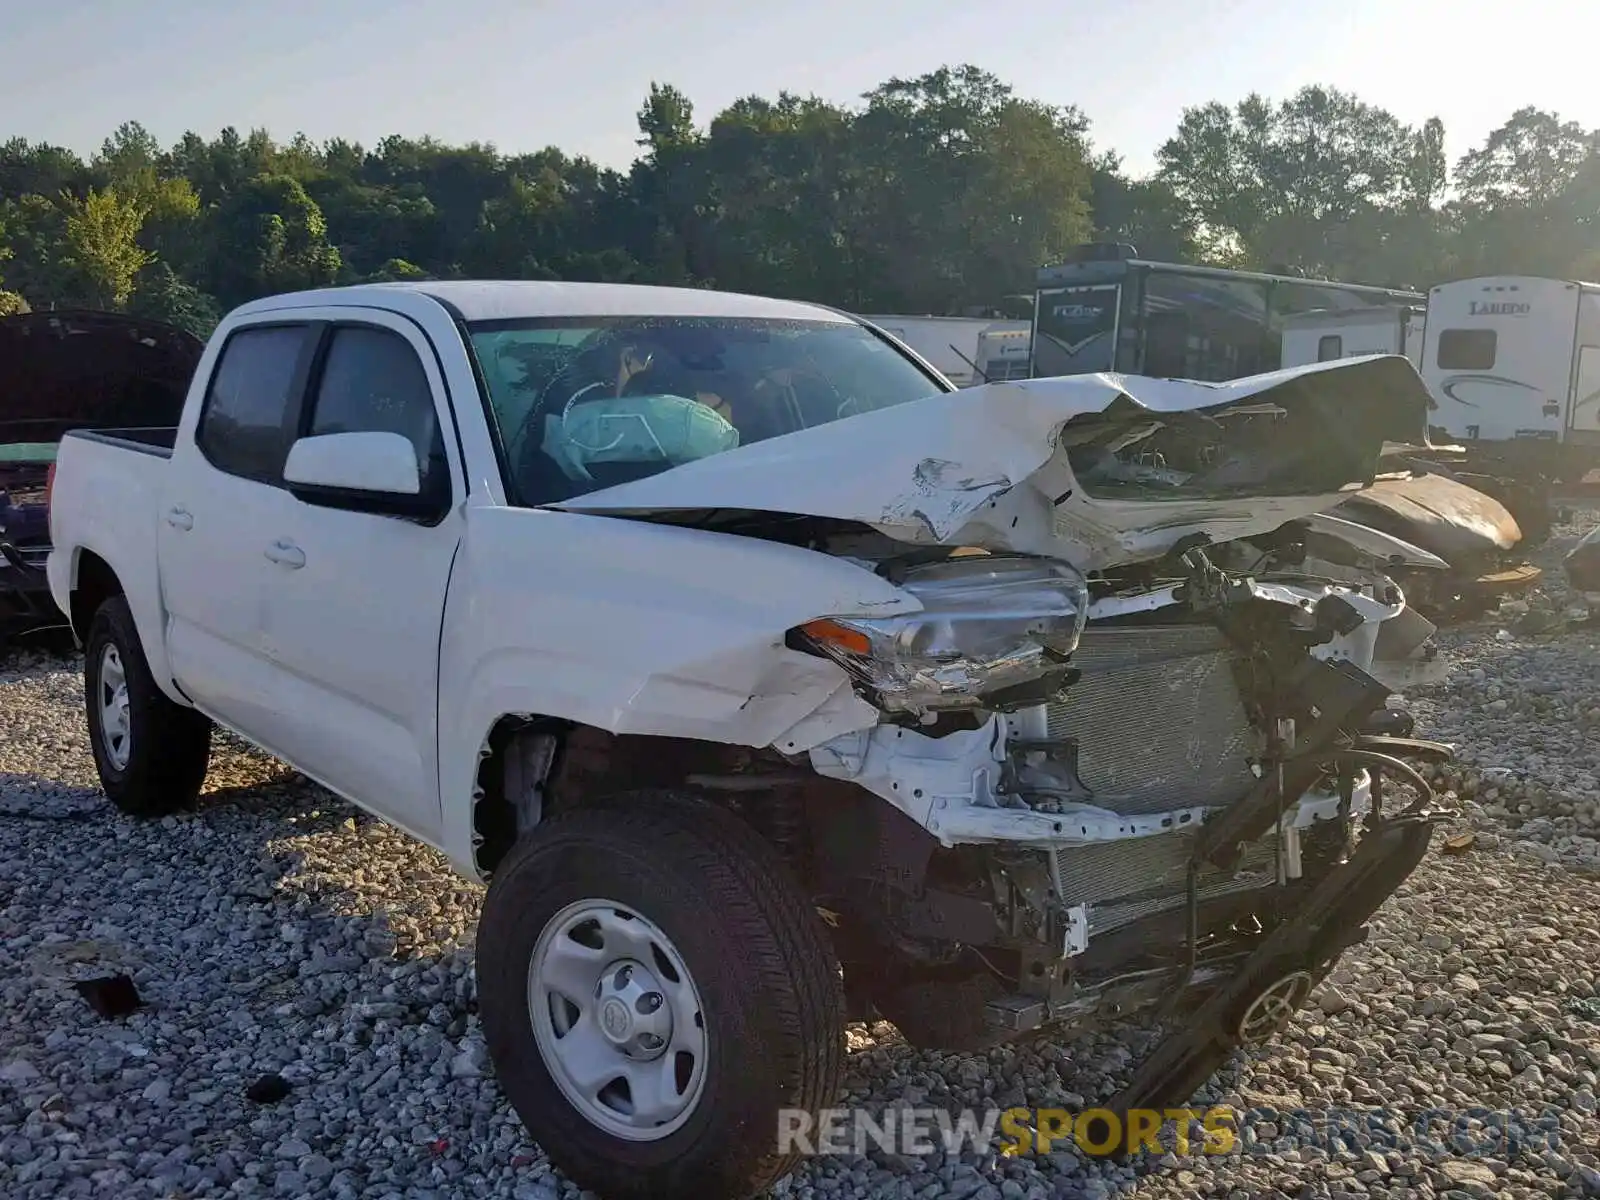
(728, 918)
(158, 763)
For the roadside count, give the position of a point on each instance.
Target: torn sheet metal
(1382, 547)
(1440, 515)
(1095, 469)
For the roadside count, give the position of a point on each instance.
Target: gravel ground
(279, 935)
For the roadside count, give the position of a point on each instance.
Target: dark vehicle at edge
(70, 369)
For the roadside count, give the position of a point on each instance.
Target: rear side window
(1466, 350)
(1330, 347)
(243, 428)
(372, 381)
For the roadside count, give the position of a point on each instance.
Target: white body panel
(1584, 412)
(1324, 336)
(1416, 333)
(381, 657)
(1004, 354)
(1502, 356)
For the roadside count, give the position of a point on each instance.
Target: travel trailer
(1108, 310)
(954, 345)
(1003, 354)
(1326, 334)
(1513, 364)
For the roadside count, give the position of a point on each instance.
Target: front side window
(372, 381)
(243, 428)
(585, 403)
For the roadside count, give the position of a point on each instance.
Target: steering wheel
(581, 351)
(782, 379)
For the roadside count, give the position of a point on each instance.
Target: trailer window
(1329, 347)
(1466, 350)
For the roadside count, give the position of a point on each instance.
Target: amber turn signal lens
(831, 633)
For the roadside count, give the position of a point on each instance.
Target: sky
(524, 74)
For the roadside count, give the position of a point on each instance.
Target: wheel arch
(93, 578)
(530, 766)
(93, 582)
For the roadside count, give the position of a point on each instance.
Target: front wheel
(655, 993)
(151, 753)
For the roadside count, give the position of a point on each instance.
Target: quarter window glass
(243, 428)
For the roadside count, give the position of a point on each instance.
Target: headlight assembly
(994, 632)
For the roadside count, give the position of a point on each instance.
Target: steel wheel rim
(618, 1020)
(111, 693)
(1270, 1012)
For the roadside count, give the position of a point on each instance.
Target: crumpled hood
(1441, 515)
(1095, 469)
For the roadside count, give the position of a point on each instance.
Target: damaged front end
(1129, 761)
(1101, 804)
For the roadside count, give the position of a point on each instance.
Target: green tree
(102, 246)
(1528, 161)
(781, 187)
(966, 190)
(396, 270)
(269, 236)
(131, 151)
(10, 302)
(1306, 182)
(39, 268)
(39, 169)
(1143, 213)
(161, 295)
(670, 187)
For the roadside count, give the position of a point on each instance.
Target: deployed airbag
(635, 431)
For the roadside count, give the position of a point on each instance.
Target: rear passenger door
(354, 603)
(221, 494)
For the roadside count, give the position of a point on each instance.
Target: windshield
(584, 403)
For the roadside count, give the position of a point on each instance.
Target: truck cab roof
(511, 299)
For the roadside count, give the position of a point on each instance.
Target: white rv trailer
(1515, 360)
(1325, 334)
(951, 344)
(1004, 354)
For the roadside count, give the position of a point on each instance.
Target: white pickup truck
(765, 677)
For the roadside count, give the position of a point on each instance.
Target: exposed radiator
(1124, 881)
(1157, 719)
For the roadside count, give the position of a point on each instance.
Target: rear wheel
(150, 752)
(655, 992)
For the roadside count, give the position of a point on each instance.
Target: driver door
(354, 605)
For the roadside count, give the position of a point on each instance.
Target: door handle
(180, 518)
(286, 554)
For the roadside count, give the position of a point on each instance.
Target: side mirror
(365, 472)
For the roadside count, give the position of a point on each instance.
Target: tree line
(939, 195)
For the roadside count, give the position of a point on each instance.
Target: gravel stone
(278, 934)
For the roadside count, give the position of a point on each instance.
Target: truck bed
(107, 497)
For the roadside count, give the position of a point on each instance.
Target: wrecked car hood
(1443, 516)
(1095, 469)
